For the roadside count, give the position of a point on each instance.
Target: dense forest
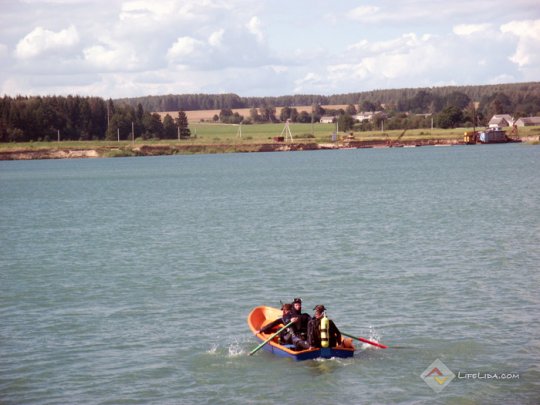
(35, 118)
(522, 97)
(25, 119)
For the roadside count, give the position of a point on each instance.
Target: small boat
(263, 315)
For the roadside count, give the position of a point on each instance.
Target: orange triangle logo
(435, 371)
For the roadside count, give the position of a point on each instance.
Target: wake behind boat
(263, 315)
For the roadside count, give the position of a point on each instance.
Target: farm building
(327, 119)
(366, 115)
(528, 121)
(501, 120)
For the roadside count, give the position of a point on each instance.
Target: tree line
(522, 98)
(24, 119)
(423, 109)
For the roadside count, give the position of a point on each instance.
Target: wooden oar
(269, 339)
(361, 339)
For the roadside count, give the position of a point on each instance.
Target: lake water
(129, 280)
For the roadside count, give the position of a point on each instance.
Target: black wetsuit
(314, 333)
(291, 335)
(301, 328)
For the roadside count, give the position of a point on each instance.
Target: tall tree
(351, 109)
(345, 122)
(153, 127)
(183, 125)
(254, 115)
(458, 99)
(450, 117)
(169, 128)
(367, 105)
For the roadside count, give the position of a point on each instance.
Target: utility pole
(475, 107)
(312, 120)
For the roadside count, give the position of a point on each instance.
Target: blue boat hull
(325, 353)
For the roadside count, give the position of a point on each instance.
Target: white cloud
(396, 62)
(470, 29)
(523, 29)
(395, 12)
(363, 12)
(139, 47)
(40, 41)
(111, 58)
(220, 49)
(144, 9)
(310, 81)
(254, 26)
(151, 11)
(184, 47)
(528, 47)
(216, 38)
(395, 45)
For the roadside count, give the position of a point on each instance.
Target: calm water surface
(128, 281)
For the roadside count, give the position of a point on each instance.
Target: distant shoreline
(129, 150)
(132, 150)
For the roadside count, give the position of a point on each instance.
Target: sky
(132, 48)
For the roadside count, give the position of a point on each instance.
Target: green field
(260, 133)
(257, 133)
(206, 133)
(222, 133)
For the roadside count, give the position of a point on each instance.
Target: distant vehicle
(493, 135)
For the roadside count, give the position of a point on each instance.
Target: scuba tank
(325, 331)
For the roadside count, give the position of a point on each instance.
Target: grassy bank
(318, 132)
(206, 134)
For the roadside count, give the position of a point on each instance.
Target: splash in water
(235, 349)
(373, 336)
(231, 349)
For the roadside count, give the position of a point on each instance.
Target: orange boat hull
(263, 315)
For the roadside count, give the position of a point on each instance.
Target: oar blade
(361, 339)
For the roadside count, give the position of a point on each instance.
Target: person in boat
(314, 329)
(289, 335)
(302, 325)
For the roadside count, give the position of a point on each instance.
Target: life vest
(325, 331)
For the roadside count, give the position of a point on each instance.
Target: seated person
(302, 326)
(289, 335)
(314, 330)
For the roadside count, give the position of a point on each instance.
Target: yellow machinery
(470, 137)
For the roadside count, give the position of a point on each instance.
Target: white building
(501, 120)
(528, 121)
(366, 115)
(326, 119)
